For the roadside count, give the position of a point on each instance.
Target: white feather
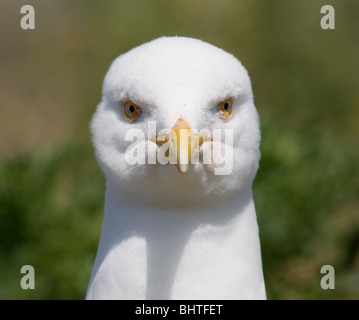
(168, 235)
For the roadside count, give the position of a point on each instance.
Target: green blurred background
(305, 82)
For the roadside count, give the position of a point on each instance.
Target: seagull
(177, 137)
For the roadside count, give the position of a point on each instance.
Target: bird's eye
(132, 110)
(225, 108)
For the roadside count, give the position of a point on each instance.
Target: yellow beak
(182, 143)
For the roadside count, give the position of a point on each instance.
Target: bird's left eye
(225, 108)
(132, 110)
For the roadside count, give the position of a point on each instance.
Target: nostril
(161, 140)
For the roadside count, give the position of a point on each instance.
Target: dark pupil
(225, 106)
(132, 108)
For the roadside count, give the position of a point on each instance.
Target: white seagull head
(177, 124)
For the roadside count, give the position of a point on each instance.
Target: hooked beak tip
(182, 168)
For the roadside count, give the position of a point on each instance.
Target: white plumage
(177, 232)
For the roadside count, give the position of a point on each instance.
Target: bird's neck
(207, 242)
(142, 218)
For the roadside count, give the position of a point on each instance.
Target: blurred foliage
(51, 212)
(305, 85)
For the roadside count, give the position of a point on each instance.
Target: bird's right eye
(132, 110)
(225, 108)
